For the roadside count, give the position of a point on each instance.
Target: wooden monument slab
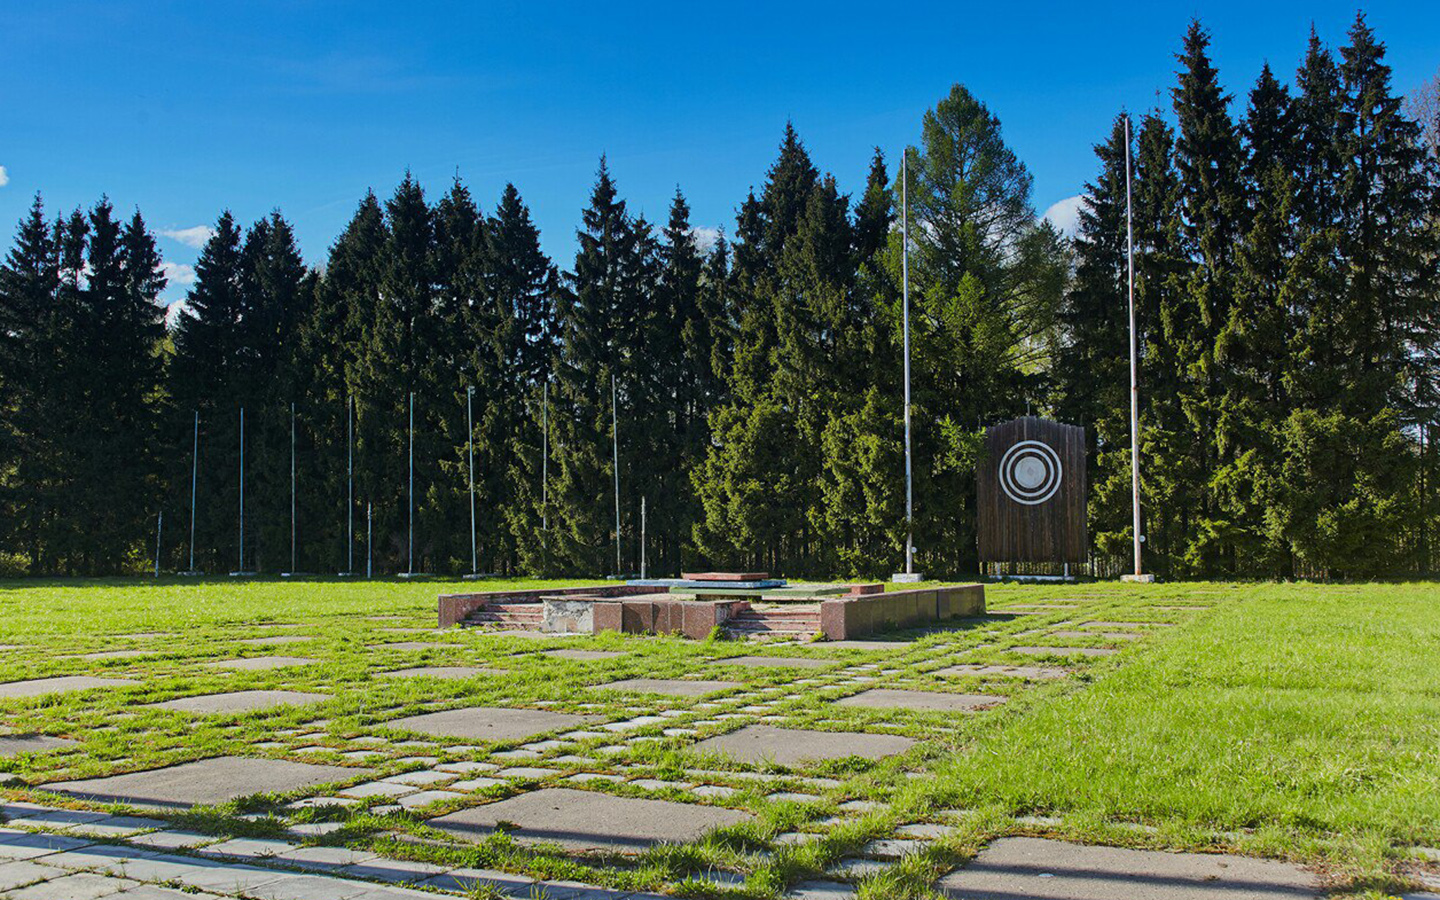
(1031, 493)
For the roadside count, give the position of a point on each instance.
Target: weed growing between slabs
(1292, 721)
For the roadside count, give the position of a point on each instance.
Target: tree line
(1286, 295)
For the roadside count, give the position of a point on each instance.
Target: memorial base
(907, 578)
(1137, 579)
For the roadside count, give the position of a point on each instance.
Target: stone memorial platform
(582, 821)
(696, 608)
(204, 782)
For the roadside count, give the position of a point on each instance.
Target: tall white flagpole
(293, 509)
(470, 445)
(615, 449)
(545, 456)
(905, 323)
(241, 568)
(350, 485)
(411, 495)
(1134, 383)
(194, 474)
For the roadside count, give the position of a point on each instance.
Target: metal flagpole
(905, 315)
(1134, 383)
(642, 537)
(350, 485)
(905, 331)
(369, 535)
(194, 472)
(615, 447)
(470, 435)
(545, 456)
(159, 524)
(240, 569)
(292, 490)
(411, 567)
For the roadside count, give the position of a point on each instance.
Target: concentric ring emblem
(1030, 473)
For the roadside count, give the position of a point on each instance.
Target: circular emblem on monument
(1030, 473)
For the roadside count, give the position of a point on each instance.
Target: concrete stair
(522, 616)
(791, 621)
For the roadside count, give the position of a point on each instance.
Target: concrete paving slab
(416, 645)
(777, 662)
(1056, 870)
(117, 654)
(18, 873)
(1029, 673)
(868, 645)
(77, 886)
(673, 687)
(921, 701)
(310, 887)
(39, 687)
(1107, 635)
(239, 702)
(25, 845)
(483, 723)
(1064, 651)
(586, 821)
(821, 890)
(582, 655)
(788, 746)
(277, 640)
(261, 663)
(205, 781)
(156, 892)
(16, 744)
(445, 673)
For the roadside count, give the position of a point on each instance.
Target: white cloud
(4, 177)
(174, 311)
(178, 273)
(194, 236)
(706, 237)
(1065, 215)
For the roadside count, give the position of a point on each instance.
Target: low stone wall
(692, 618)
(455, 607)
(847, 618)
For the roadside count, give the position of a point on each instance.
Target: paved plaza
(374, 769)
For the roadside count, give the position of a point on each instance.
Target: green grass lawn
(1295, 721)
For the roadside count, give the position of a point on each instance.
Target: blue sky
(183, 109)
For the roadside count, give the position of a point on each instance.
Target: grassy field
(1294, 721)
